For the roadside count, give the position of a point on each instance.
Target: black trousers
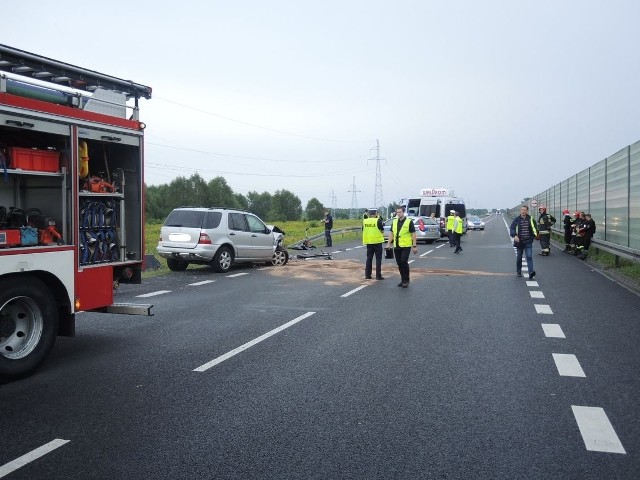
(327, 237)
(373, 249)
(402, 259)
(456, 239)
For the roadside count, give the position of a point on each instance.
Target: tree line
(194, 191)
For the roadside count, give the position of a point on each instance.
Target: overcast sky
(497, 100)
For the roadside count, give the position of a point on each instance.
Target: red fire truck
(71, 200)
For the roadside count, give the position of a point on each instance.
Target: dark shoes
(380, 278)
(457, 250)
(403, 284)
(400, 284)
(519, 274)
(531, 275)
(367, 278)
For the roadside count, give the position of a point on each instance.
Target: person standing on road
(523, 230)
(450, 219)
(456, 232)
(328, 225)
(545, 222)
(403, 235)
(372, 229)
(589, 232)
(567, 221)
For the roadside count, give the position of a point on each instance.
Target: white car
(474, 223)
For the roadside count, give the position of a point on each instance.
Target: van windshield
(458, 207)
(427, 210)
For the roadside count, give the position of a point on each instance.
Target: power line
(334, 202)
(283, 132)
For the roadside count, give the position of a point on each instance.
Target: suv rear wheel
(222, 260)
(177, 265)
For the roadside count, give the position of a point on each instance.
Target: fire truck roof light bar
(30, 64)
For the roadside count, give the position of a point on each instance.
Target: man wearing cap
(372, 229)
(403, 234)
(450, 219)
(456, 232)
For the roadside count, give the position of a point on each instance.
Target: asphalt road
(311, 372)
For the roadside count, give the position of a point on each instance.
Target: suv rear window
(212, 220)
(184, 218)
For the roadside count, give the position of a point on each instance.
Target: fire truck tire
(177, 265)
(280, 257)
(28, 325)
(222, 260)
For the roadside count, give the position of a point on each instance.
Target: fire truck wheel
(280, 257)
(177, 265)
(222, 260)
(28, 325)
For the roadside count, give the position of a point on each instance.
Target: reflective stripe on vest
(370, 233)
(405, 236)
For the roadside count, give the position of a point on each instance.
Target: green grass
(294, 232)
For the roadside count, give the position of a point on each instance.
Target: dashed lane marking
(359, 246)
(532, 283)
(237, 275)
(440, 246)
(568, 365)
(543, 309)
(410, 261)
(553, 330)
(337, 251)
(20, 462)
(353, 291)
(153, 294)
(426, 253)
(536, 294)
(255, 341)
(204, 282)
(596, 430)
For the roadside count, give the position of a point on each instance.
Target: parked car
(219, 237)
(474, 223)
(427, 229)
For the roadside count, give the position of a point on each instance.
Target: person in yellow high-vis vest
(456, 232)
(372, 229)
(450, 219)
(403, 235)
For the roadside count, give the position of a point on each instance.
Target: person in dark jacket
(589, 231)
(568, 226)
(545, 222)
(328, 225)
(524, 231)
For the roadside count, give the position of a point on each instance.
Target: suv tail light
(204, 239)
(421, 225)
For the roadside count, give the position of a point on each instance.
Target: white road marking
(359, 246)
(250, 344)
(440, 246)
(568, 365)
(153, 294)
(552, 330)
(532, 283)
(543, 309)
(204, 282)
(425, 253)
(536, 294)
(596, 430)
(410, 261)
(237, 275)
(264, 268)
(12, 466)
(353, 291)
(348, 249)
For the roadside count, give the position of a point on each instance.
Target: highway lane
(453, 377)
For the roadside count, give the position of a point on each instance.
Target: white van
(441, 206)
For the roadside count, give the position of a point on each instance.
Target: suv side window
(256, 225)
(212, 220)
(237, 222)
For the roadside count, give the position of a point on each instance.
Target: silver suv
(218, 237)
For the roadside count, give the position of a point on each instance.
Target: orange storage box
(34, 159)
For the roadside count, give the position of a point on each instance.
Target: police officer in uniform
(450, 219)
(403, 235)
(372, 229)
(456, 232)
